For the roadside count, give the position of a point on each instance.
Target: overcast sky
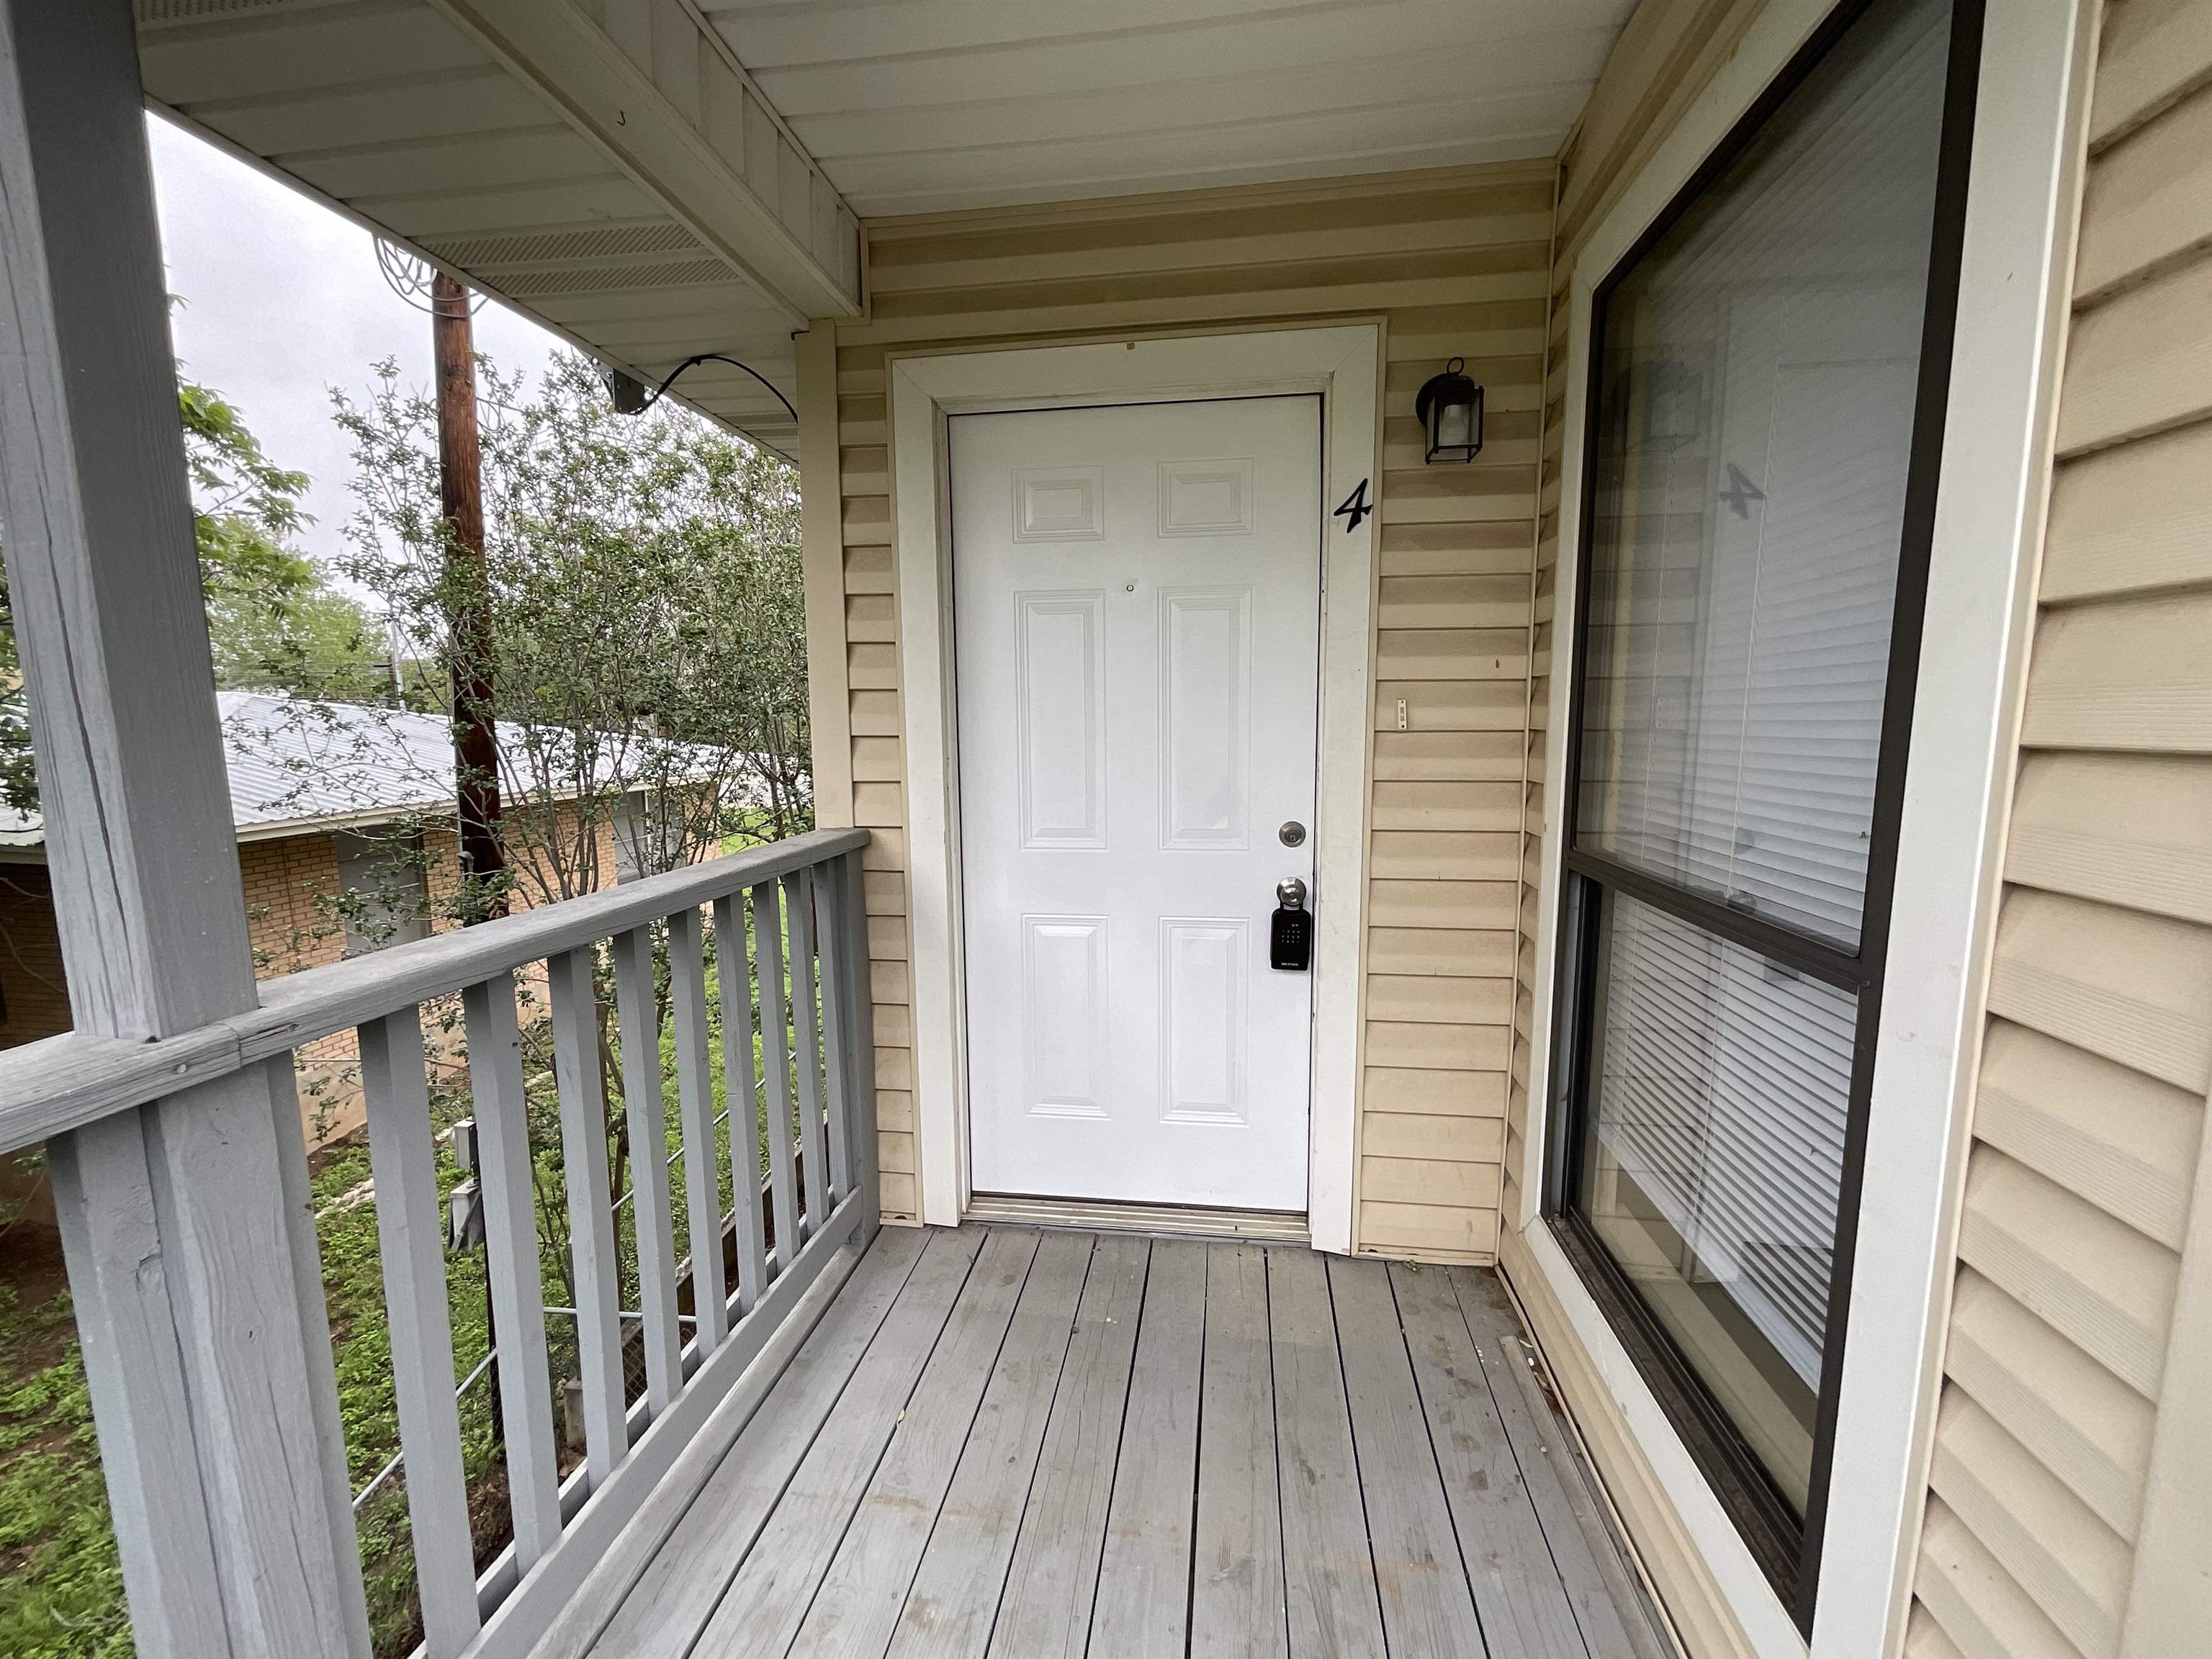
(282, 300)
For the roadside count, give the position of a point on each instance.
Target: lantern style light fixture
(1449, 407)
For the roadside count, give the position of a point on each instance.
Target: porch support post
(821, 515)
(857, 1029)
(191, 1246)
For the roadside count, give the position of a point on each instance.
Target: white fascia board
(681, 123)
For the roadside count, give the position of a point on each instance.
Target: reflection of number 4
(1741, 492)
(1354, 509)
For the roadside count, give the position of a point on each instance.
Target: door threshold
(1166, 1220)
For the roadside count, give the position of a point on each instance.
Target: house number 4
(1355, 508)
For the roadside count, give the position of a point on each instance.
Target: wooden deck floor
(999, 1442)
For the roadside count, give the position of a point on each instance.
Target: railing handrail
(65, 1082)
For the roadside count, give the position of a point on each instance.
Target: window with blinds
(1748, 622)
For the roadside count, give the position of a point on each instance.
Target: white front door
(1137, 595)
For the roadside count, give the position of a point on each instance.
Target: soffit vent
(187, 11)
(550, 247)
(590, 279)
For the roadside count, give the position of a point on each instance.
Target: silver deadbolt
(1293, 834)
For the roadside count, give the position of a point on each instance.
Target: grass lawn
(61, 1591)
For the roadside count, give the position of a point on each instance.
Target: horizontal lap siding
(2075, 1238)
(1455, 264)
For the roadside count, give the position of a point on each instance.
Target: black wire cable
(661, 389)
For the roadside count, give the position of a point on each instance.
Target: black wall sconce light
(625, 390)
(1449, 407)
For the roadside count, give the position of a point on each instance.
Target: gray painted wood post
(190, 1246)
(741, 1088)
(860, 1035)
(775, 1069)
(836, 945)
(591, 1209)
(799, 900)
(411, 1229)
(517, 1291)
(637, 1014)
(694, 1090)
(104, 1199)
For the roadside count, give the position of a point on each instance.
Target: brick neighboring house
(318, 792)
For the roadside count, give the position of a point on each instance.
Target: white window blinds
(1762, 374)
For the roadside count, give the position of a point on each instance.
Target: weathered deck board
(956, 1590)
(857, 1606)
(1237, 1597)
(1616, 1620)
(761, 1611)
(1328, 1570)
(1045, 1610)
(1427, 1606)
(1517, 1590)
(1144, 1571)
(671, 1602)
(998, 1442)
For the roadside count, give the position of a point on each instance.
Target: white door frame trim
(2005, 359)
(1342, 362)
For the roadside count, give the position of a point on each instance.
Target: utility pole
(468, 608)
(468, 627)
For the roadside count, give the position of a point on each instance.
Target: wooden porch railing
(786, 918)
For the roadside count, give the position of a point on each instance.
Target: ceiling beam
(658, 91)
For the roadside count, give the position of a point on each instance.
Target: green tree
(276, 623)
(648, 617)
(275, 620)
(642, 582)
(647, 624)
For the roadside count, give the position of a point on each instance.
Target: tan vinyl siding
(1454, 264)
(2058, 1521)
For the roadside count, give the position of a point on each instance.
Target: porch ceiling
(655, 179)
(609, 169)
(928, 105)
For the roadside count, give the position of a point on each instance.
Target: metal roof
(296, 761)
(298, 764)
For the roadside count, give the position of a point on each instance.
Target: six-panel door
(1137, 597)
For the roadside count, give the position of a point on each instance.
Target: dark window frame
(1788, 1553)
